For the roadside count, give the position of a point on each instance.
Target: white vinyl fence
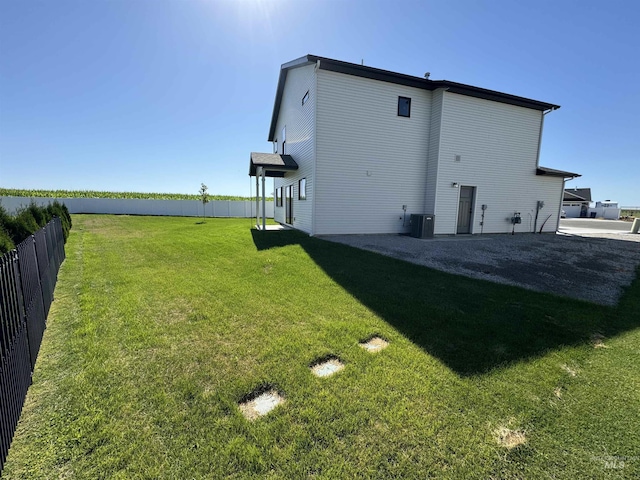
(608, 213)
(176, 208)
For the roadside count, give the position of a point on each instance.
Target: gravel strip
(591, 269)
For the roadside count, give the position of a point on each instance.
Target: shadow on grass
(473, 326)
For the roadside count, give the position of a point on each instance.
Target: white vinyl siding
(299, 122)
(498, 145)
(370, 161)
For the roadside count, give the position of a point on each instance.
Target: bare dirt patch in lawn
(260, 402)
(374, 344)
(327, 366)
(510, 438)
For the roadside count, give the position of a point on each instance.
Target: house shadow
(473, 326)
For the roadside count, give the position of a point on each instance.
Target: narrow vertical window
(302, 189)
(404, 107)
(284, 138)
(279, 197)
(305, 98)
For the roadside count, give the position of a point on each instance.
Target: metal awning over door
(274, 164)
(263, 165)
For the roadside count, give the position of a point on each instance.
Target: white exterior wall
(370, 161)
(498, 145)
(299, 121)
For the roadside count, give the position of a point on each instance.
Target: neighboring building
(358, 149)
(576, 202)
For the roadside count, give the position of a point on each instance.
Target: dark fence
(28, 277)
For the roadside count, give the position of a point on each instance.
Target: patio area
(586, 268)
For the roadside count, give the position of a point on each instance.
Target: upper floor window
(404, 107)
(305, 98)
(284, 138)
(302, 189)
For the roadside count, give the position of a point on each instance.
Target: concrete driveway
(595, 227)
(582, 267)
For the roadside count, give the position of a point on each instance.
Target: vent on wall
(457, 158)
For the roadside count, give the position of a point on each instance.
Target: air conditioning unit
(422, 225)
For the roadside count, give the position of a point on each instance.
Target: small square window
(302, 189)
(305, 98)
(404, 107)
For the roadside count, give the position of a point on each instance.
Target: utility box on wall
(422, 225)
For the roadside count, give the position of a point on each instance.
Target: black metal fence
(28, 277)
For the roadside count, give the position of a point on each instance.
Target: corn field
(12, 192)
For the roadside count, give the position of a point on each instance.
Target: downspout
(535, 223)
(540, 135)
(564, 183)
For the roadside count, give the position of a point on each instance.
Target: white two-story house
(357, 150)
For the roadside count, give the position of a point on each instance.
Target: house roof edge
(363, 71)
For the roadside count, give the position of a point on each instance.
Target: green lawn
(161, 325)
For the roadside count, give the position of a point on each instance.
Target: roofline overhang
(551, 172)
(400, 79)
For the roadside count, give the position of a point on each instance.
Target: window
(279, 197)
(404, 107)
(302, 189)
(305, 98)
(284, 138)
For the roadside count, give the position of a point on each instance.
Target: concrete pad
(261, 404)
(374, 344)
(327, 367)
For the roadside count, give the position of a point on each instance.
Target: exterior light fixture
(455, 185)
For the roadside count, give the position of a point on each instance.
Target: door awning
(274, 164)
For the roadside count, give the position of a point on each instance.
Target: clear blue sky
(153, 95)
